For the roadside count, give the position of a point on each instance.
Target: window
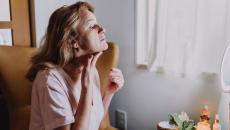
(144, 21)
(181, 37)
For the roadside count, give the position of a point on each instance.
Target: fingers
(115, 73)
(118, 81)
(115, 79)
(95, 58)
(86, 76)
(115, 70)
(89, 62)
(116, 76)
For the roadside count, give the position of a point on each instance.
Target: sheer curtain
(184, 37)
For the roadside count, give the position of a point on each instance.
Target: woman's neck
(74, 71)
(75, 67)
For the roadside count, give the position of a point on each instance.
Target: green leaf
(171, 120)
(190, 125)
(182, 125)
(178, 121)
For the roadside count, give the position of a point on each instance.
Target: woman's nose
(101, 29)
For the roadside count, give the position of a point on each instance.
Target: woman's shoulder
(46, 77)
(46, 73)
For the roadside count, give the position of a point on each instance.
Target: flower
(183, 116)
(182, 121)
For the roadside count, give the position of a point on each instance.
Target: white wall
(43, 10)
(147, 97)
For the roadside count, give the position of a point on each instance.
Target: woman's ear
(76, 45)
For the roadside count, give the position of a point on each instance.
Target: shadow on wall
(209, 94)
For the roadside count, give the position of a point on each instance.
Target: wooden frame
(20, 22)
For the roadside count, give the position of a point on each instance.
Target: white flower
(183, 117)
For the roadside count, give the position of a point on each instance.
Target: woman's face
(92, 36)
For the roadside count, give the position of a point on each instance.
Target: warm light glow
(203, 126)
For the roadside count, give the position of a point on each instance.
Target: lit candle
(203, 126)
(204, 118)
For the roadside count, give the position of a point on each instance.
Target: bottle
(203, 124)
(216, 125)
(205, 114)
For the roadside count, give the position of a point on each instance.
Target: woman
(65, 92)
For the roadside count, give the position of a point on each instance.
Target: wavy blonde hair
(61, 32)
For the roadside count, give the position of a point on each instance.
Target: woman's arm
(116, 82)
(82, 116)
(106, 100)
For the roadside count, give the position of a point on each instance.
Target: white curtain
(187, 37)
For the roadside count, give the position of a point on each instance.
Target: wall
(43, 10)
(146, 97)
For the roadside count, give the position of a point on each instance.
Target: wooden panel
(32, 23)
(20, 22)
(5, 25)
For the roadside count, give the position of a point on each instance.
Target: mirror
(225, 70)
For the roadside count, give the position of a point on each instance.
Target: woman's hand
(87, 74)
(116, 81)
(83, 112)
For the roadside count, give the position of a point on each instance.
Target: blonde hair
(61, 33)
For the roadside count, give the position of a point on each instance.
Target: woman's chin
(106, 46)
(100, 50)
(102, 47)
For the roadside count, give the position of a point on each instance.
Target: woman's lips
(102, 39)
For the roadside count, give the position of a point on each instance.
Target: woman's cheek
(93, 43)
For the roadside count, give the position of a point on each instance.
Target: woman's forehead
(87, 16)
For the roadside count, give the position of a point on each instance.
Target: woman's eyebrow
(89, 20)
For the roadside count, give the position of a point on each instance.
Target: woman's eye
(94, 27)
